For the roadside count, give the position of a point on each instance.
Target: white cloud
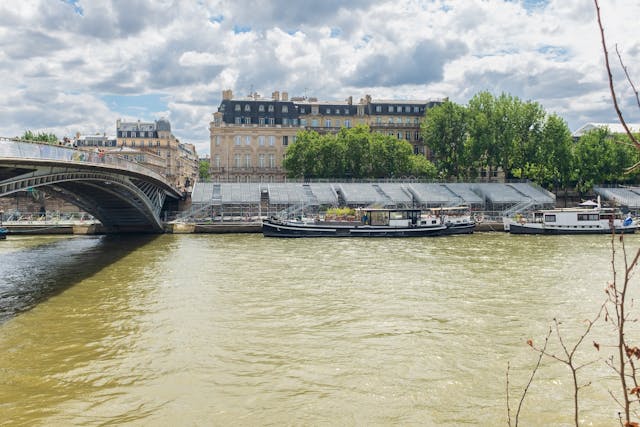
(65, 66)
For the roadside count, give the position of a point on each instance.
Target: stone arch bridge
(123, 195)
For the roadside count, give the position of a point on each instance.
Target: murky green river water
(243, 330)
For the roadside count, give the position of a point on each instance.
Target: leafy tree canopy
(353, 153)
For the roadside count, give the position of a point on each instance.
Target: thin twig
(611, 87)
(533, 373)
(626, 73)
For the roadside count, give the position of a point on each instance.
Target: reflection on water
(35, 268)
(242, 330)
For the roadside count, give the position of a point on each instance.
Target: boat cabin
(392, 217)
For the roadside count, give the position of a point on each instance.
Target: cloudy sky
(72, 66)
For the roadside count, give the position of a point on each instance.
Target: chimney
(350, 100)
(227, 95)
(285, 96)
(275, 96)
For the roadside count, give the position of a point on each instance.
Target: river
(246, 330)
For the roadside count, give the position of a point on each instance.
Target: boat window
(379, 218)
(588, 217)
(549, 218)
(397, 215)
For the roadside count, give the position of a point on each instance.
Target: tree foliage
(203, 169)
(353, 153)
(524, 141)
(40, 136)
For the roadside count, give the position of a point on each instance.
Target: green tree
(40, 137)
(203, 169)
(482, 133)
(358, 151)
(420, 167)
(599, 158)
(444, 131)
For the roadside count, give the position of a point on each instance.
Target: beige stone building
(249, 136)
(153, 144)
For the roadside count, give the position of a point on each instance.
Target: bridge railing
(32, 150)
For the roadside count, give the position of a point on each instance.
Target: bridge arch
(123, 195)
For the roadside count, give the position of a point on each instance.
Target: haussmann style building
(249, 136)
(153, 144)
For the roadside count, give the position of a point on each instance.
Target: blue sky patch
(143, 107)
(241, 29)
(76, 6)
(216, 19)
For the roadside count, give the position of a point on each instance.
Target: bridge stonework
(123, 195)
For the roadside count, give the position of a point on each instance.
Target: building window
(271, 108)
(337, 111)
(294, 139)
(314, 123)
(261, 140)
(237, 107)
(328, 111)
(216, 160)
(261, 121)
(294, 122)
(247, 140)
(303, 122)
(337, 123)
(238, 120)
(247, 160)
(302, 110)
(347, 123)
(398, 119)
(399, 136)
(261, 160)
(238, 140)
(247, 120)
(217, 140)
(236, 160)
(390, 120)
(285, 108)
(407, 136)
(272, 121)
(261, 108)
(272, 140)
(285, 121)
(327, 123)
(247, 107)
(272, 161)
(315, 109)
(416, 135)
(416, 109)
(390, 109)
(378, 108)
(285, 140)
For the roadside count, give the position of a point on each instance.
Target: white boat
(458, 219)
(588, 218)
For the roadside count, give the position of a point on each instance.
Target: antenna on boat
(598, 201)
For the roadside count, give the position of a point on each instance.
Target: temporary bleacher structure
(626, 197)
(265, 199)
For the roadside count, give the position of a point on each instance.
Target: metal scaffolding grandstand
(253, 201)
